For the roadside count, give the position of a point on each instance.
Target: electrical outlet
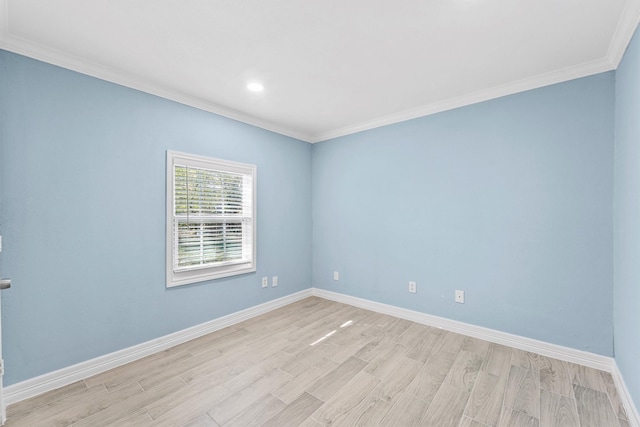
(412, 287)
(336, 275)
(274, 281)
(265, 282)
(460, 297)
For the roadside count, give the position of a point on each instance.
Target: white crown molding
(51, 56)
(632, 412)
(622, 36)
(65, 376)
(60, 59)
(535, 82)
(624, 31)
(591, 360)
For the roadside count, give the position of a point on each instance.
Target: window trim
(179, 278)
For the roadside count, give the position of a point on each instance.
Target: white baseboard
(627, 401)
(53, 380)
(591, 360)
(65, 376)
(603, 363)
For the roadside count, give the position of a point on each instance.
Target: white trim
(632, 412)
(29, 49)
(53, 380)
(591, 360)
(41, 53)
(624, 32)
(56, 379)
(619, 42)
(603, 363)
(629, 20)
(247, 264)
(534, 82)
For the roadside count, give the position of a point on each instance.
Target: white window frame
(178, 277)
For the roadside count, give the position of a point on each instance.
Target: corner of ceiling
(627, 25)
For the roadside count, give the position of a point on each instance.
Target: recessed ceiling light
(255, 87)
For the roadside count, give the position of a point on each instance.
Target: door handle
(5, 283)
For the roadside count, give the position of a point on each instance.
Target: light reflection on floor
(344, 325)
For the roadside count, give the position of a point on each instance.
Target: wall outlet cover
(460, 297)
(412, 287)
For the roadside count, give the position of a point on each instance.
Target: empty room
(279, 213)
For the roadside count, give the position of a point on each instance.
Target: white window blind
(212, 218)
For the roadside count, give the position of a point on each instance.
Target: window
(211, 214)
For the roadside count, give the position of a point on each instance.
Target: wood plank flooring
(321, 363)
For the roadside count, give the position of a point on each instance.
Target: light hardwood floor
(318, 363)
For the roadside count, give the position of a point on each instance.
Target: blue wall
(82, 215)
(627, 220)
(509, 200)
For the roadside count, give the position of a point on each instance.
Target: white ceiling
(329, 67)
